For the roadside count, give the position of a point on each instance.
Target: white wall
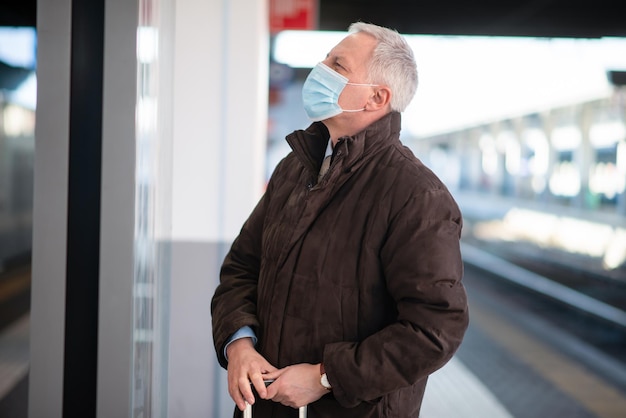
(220, 117)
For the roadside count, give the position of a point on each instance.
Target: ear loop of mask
(358, 84)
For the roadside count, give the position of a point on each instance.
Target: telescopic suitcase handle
(247, 413)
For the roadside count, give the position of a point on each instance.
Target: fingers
(295, 385)
(273, 374)
(246, 370)
(241, 392)
(257, 380)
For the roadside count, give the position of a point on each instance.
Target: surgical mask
(321, 90)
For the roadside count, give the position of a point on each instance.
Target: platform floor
(14, 350)
(511, 364)
(513, 376)
(455, 392)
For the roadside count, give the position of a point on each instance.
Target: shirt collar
(329, 148)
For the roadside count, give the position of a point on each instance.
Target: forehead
(357, 48)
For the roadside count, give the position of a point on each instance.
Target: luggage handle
(247, 413)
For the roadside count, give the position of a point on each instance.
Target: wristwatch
(324, 379)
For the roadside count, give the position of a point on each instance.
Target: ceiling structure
(18, 13)
(536, 18)
(543, 18)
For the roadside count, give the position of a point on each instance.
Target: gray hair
(392, 63)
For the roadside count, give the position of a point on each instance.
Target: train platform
(592, 243)
(14, 365)
(513, 363)
(453, 392)
(517, 378)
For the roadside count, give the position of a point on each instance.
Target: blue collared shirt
(243, 332)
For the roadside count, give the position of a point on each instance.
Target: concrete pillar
(50, 210)
(498, 180)
(584, 155)
(211, 154)
(548, 124)
(620, 93)
(220, 131)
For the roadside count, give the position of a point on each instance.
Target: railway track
(592, 327)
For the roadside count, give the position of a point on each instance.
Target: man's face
(350, 58)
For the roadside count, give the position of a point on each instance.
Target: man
(345, 291)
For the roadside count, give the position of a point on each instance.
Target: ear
(381, 98)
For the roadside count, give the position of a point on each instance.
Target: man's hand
(296, 385)
(246, 365)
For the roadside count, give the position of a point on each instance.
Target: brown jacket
(361, 271)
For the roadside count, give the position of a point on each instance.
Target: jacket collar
(310, 145)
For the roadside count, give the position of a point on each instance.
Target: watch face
(325, 382)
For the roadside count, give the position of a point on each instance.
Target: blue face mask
(321, 90)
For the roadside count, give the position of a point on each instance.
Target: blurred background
(520, 110)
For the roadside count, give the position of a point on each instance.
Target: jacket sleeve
(422, 265)
(234, 302)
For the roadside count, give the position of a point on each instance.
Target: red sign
(293, 15)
